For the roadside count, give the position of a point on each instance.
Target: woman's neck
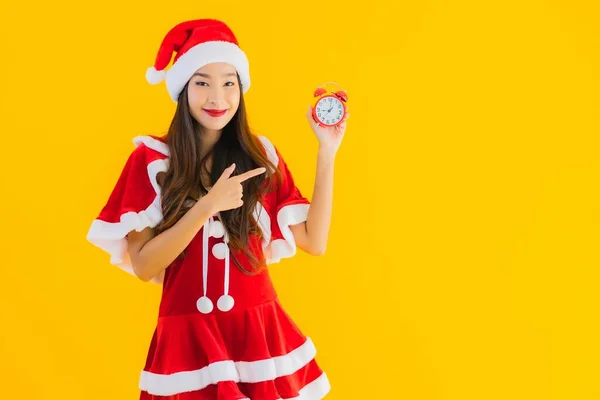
(208, 139)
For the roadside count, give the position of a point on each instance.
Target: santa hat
(197, 43)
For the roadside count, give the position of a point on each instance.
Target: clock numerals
(330, 111)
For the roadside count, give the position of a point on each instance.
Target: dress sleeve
(288, 207)
(133, 204)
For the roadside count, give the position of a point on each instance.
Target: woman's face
(214, 95)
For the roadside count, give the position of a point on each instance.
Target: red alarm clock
(330, 109)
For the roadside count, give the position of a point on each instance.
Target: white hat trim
(202, 54)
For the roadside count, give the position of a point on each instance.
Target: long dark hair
(182, 182)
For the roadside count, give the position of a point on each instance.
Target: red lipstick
(214, 112)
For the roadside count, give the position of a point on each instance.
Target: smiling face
(214, 95)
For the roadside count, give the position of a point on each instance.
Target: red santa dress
(221, 334)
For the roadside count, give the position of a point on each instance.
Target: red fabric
(133, 191)
(287, 194)
(183, 281)
(191, 342)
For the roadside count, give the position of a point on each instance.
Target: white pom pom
(153, 76)
(225, 303)
(216, 229)
(219, 250)
(204, 305)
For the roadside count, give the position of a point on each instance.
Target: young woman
(203, 210)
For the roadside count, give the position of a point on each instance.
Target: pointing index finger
(249, 174)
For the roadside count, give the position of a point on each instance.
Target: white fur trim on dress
(248, 372)
(202, 54)
(111, 236)
(288, 215)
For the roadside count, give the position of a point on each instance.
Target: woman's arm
(311, 236)
(151, 254)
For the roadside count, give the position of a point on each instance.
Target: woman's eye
(201, 83)
(229, 84)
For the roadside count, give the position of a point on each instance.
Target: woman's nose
(216, 96)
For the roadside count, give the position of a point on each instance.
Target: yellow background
(463, 259)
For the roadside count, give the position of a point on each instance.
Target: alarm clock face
(329, 110)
